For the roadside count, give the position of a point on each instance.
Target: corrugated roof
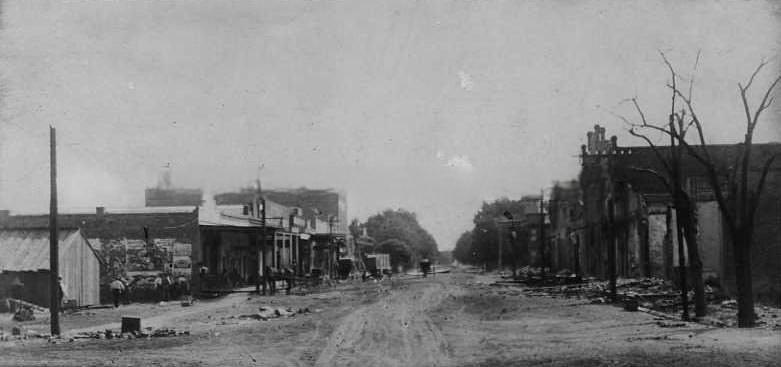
(225, 216)
(28, 249)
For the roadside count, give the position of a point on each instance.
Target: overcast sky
(431, 106)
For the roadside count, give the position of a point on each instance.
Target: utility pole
(54, 257)
(499, 232)
(611, 249)
(261, 209)
(542, 230)
(499, 224)
(332, 246)
(611, 233)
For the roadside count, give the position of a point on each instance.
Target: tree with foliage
(737, 194)
(402, 225)
(355, 228)
(463, 250)
(485, 235)
(399, 252)
(444, 258)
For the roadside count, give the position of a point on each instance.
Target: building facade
(631, 210)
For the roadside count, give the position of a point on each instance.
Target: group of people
(264, 284)
(268, 281)
(167, 287)
(164, 288)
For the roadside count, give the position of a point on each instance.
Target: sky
(430, 106)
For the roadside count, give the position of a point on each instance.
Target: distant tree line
(480, 245)
(397, 233)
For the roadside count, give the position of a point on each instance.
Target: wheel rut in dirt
(395, 331)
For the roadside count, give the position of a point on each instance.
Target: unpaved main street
(449, 320)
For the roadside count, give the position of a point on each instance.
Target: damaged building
(643, 223)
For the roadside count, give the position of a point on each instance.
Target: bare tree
(670, 175)
(739, 203)
(736, 194)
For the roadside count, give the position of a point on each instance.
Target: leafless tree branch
(654, 148)
(754, 74)
(639, 111)
(674, 76)
(694, 69)
(767, 100)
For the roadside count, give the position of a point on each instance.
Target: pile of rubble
(539, 277)
(653, 295)
(23, 310)
(17, 333)
(723, 314)
(148, 333)
(24, 314)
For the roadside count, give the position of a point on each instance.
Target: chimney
(592, 146)
(100, 211)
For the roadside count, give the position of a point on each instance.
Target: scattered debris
(25, 313)
(267, 313)
(110, 334)
(670, 324)
(651, 295)
(730, 303)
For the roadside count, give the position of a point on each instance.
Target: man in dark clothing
(269, 280)
(288, 280)
(255, 279)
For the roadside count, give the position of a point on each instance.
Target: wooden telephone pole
(544, 261)
(54, 266)
(499, 261)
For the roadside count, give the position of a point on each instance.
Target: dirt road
(396, 331)
(450, 320)
(462, 320)
(499, 326)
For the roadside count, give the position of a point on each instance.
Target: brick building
(566, 222)
(644, 218)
